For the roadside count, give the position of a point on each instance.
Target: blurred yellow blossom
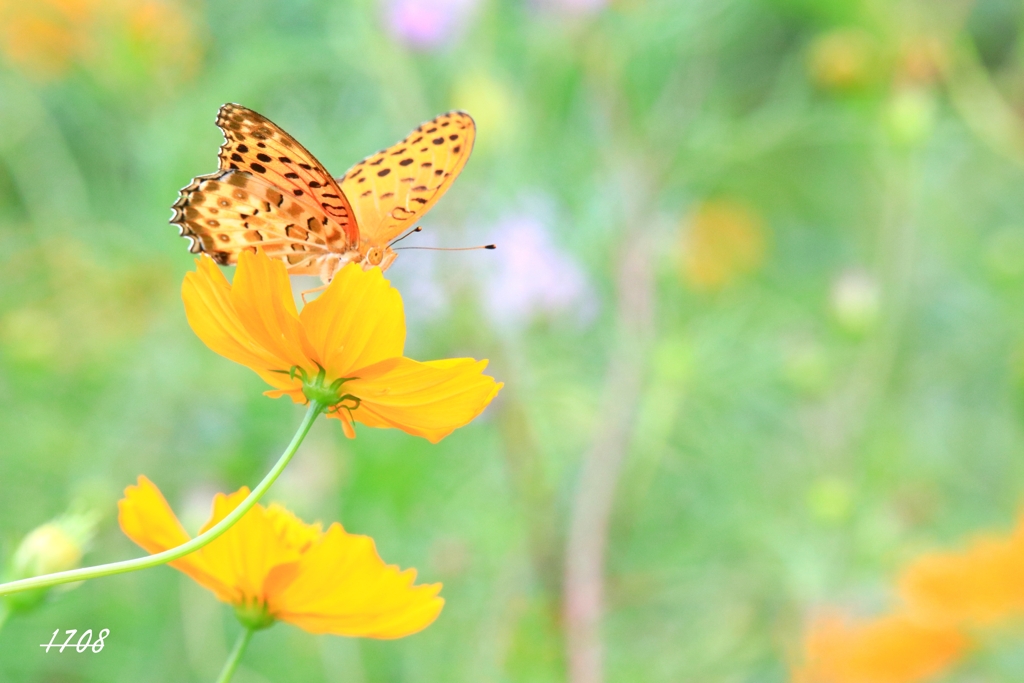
(724, 240)
(892, 649)
(947, 601)
(46, 36)
(842, 59)
(923, 59)
(979, 586)
(118, 39)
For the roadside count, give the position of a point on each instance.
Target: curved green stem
(236, 655)
(196, 543)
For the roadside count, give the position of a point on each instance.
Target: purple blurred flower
(426, 24)
(530, 277)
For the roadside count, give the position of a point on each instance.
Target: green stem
(236, 655)
(47, 580)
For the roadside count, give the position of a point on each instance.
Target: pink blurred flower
(530, 277)
(426, 24)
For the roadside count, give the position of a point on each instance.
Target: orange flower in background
(945, 596)
(842, 59)
(979, 586)
(725, 240)
(148, 38)
(273, 567)
(44, 37)
(347, 344)
(893, 649)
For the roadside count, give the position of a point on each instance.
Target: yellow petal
(212, 316)
(981, 585)
(358, 321)
(252, 322)
(248, 551)
(343, 587)
(146, 518)
(262, 297)
(893, 649)
(429, 399)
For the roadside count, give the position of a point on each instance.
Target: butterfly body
(271, 193)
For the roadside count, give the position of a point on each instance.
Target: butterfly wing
(256, 145)
(227, 212)
(393, 188)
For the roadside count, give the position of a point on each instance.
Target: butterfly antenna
(416, 229)
(482, 246)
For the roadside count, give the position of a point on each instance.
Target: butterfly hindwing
(227, 212)
(256, 145)
(393, 188)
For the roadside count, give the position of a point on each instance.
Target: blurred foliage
(849, 391)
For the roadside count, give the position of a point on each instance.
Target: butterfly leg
(310, 291)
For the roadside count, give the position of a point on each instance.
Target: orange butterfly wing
(227, 212)
(256, 145)
(393, 188)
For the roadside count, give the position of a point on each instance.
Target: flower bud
(910, 117)
(830, 500)
(843, 59)
(46, 549)
(55, 546)
(856, 302)
(722, 241)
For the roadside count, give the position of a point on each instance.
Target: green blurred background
(756, 302)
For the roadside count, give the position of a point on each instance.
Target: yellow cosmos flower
(273, 567)
(344, 349)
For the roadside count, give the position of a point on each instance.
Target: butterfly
(271, 193)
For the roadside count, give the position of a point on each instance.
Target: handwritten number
(50, 644)
(71, 634)
(79, 646)
(85, 640)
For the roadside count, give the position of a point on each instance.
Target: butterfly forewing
(230, 211)
(256, 145)
(393, 188)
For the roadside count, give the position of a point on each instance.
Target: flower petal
(146, 518)
(343, 587)
(262, 296)
(252, 322)
(255, 545)
(212, 316)
(979, 586)
(893, 649)
(429, 399)
(358, 321)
